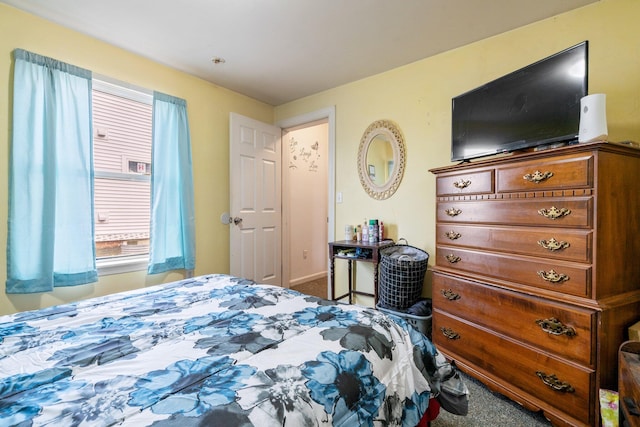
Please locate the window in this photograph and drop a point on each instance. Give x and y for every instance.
(53, 178)
(122, 140)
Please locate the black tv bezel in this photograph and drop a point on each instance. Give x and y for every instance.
(507, 147)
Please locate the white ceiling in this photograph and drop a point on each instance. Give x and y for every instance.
(280, 50)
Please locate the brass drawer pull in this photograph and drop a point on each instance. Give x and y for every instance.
(453, 235)
(554, 213)
(553, 326)
(450, 333)
(553, 245)
(553, 382)
(463, 183)
(453, 258)
(450, 295)
(552, 276)
(537, 177)
(453, 211)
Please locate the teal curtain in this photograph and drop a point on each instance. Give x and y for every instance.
(50, 227)
(172, 209)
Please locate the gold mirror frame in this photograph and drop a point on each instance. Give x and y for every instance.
(388, 130)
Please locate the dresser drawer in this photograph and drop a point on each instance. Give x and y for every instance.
(561, 329)
(572, 171)
(551, 212)
(558, 243)
(565, 277)
(472, 182)
(519, 366)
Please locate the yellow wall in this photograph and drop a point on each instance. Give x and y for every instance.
(418, 98)
(208, 107)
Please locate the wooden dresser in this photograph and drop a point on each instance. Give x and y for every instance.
(537, 273)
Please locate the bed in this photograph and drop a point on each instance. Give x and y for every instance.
(214, 350)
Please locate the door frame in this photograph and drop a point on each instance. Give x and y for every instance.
(328, 114)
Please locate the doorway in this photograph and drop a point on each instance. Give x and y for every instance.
(308, 214)
(304, 179)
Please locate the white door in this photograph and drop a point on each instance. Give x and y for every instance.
(255, 200)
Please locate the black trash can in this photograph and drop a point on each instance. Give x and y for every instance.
(402, 270)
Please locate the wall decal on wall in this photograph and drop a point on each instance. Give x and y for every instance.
(304, 155)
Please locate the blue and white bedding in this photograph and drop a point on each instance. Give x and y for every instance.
(213, 350)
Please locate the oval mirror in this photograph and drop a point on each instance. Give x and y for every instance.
(381, 159)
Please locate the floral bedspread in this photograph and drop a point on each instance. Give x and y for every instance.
(214, 351)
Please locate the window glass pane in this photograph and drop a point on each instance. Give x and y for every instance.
(122, 161)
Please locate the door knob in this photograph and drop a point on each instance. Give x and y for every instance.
(225, 218)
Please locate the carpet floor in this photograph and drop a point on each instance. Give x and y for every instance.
(489, 409)
(316, 288)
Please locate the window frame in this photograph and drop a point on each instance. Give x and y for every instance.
(126, 263)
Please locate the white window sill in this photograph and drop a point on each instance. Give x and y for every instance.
(120, 265)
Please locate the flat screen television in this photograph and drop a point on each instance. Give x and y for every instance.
(536, 105)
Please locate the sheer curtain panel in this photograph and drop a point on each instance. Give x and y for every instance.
(172, 210)
(50, 227)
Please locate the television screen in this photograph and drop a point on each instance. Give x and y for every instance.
(536, 105)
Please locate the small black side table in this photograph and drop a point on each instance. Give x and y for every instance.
(371, 253)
